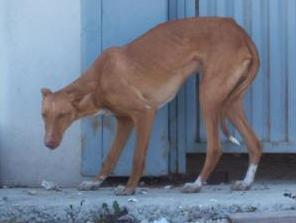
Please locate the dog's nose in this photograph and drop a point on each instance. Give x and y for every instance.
(51, 144)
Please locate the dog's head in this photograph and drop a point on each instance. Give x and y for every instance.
(58, 113)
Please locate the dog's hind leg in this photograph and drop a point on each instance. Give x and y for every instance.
(211, 113)
(236, 115)
(215, 89)
(124, 128)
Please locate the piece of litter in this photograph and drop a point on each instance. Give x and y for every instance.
(143, 191)
(132, 200)
(31, 192)
(168, 187)
(49, 185)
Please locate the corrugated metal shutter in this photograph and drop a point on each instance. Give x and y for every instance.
(270, 102)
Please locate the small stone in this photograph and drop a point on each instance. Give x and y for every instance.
(168, 187)
(290, 195)
(161, 220)
(118, 189)
(4, 198)
(32, 192)
(213, 200)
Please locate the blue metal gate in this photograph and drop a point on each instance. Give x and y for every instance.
(108, 23)
(270, 103)
(178, 130)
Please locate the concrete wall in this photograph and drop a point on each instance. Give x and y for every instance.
(39, 46)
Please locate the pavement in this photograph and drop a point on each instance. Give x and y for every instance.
(215, 203)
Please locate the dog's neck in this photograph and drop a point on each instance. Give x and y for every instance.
(84, 93)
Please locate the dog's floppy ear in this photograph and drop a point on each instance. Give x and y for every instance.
(45, 92)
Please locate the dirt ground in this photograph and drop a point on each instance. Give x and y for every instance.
(215, 203)
(159, 200)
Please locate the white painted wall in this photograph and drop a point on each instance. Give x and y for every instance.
(39, 46)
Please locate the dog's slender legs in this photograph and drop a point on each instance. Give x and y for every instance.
(211, 118)
(236, 115)
(143, 124)
(213, 146)
(211, 112)
(212, 98)
(124, 128)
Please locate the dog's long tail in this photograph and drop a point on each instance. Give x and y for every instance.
(242, 86)
(227, 133)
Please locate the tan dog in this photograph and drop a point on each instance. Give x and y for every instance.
(134, 80)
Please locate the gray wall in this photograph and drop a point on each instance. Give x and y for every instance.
(39, 46)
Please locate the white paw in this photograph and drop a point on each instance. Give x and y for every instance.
(191, 188)
(240, 185)
(90, 185)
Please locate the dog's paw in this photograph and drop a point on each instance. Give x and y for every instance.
(191, 188)
(123, 191)
(240, 185)
(90, 185)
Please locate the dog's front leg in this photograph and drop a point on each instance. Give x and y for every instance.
(143, 124)
(124, 128)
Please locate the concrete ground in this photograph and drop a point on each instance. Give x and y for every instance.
(213, 204)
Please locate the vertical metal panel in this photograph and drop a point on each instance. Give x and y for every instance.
(109, 23)
(185, 8)
(119, 27)
(172, 122)
(91, 129)
(179, 108)
(259, 32)
(270, 102)
(291, 57)
(277, 74)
